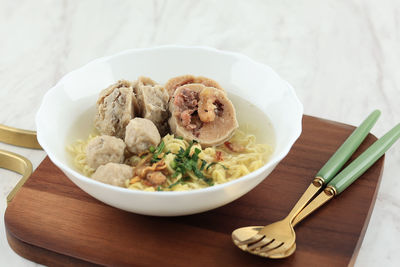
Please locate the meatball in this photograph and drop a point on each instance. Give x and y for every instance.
(113, 174)
(104, 149)
(152, 99)
(202, 113)
(173, 83)
(116, 106)
(140, 135)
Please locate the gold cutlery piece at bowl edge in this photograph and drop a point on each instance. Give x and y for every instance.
(18, 137)
(277, 240)
(12, 161)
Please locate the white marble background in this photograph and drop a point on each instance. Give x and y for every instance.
(342, 57)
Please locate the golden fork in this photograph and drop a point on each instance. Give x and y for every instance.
(278, 239)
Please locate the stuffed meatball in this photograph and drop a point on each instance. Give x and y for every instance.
(202, 113)
(173, 83)
(153, 102)
(116, 106)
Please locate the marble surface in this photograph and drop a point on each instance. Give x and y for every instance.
(342, 57)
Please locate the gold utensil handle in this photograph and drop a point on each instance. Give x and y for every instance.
(317, 202)
(18, 137)
(307, 196)
(16, 163)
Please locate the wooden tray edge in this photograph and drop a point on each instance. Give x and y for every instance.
(51, 258)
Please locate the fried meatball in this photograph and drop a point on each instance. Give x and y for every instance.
(113, 174)
(116, 106)
(104, 149)
(140, 135)
(153, 102)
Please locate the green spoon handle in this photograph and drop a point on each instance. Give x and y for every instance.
(365, 160)
(336, 162)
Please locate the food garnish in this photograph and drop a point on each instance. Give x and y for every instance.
(157, 152)
(218, 156)
(141, 122)
(214, 163)
(184, 163)
(235, 147)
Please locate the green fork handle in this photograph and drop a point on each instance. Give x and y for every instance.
(351, 173)
(364, 161)
(335, 163)
(342, 155)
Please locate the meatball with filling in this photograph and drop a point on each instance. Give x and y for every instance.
(173, 83)
(104, 149)
(140, 135)
(153, 102)
(113, 174)
(201, 113)
(116, 106)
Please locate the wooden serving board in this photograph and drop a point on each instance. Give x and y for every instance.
(53, 222)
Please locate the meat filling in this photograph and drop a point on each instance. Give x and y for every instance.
(196, 109)
(219, 109)
(187, 102)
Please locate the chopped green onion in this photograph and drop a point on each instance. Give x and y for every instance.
(214, 163)
(223, 166)
(209, 181)
(152, 149)
(177, 182)
(157, 152)
(187, 151)
(211, 164)
(203, 164)
(198, 173)
(195, 155)
(160, 147)
(184, 163)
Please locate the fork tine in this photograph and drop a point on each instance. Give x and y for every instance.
(253, 239)
(271, 248)
(263, 242)
(280, 250)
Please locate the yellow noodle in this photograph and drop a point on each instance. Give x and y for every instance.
(78, 150)
(236, 164)
(174, 144)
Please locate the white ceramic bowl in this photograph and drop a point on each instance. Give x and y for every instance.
(68, 108)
